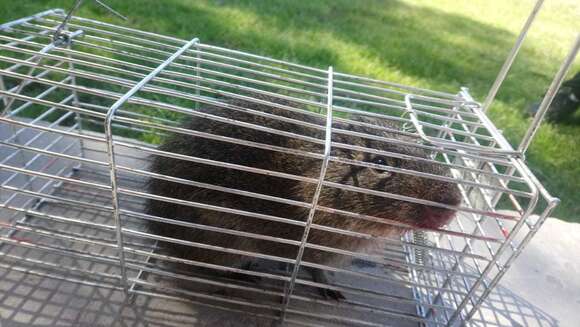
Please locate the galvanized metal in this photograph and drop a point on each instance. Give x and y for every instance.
(111, 149)
(550, 95)
(319, 184)
(512, 56)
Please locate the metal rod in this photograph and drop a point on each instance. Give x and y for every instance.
(22, 84)
(111, 152)
(503, 151)
(114, 12)
(487, 270)
(323, 168)
(550, 95)
(468, 246)
(198, 74)
(267, 59)
(511, 56)
(551, 205)
(58, 33)
(75, 102)
(492, 130)
(21, 21)
(212, 72)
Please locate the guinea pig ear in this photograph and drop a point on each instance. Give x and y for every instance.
(358, 156)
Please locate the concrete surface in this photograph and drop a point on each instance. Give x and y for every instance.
(547, 274)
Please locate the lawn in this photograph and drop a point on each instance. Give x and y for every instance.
(441, 45)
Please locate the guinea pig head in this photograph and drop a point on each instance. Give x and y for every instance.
(418, 190)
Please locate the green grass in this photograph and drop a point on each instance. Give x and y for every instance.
(441, 45)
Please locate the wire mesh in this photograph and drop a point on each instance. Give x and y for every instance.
(83, 122)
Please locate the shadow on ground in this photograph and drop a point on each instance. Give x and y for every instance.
(504, 308)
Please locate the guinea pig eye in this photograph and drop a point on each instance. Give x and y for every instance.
(379, 161)
(392, 162)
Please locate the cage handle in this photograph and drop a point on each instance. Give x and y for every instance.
(501, 75)
(550, 95)
(554, 86)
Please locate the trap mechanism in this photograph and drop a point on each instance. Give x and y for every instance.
(85, 105)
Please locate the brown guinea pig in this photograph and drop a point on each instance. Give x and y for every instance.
(261, 235)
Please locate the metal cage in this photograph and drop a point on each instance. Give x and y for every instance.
(83, 116)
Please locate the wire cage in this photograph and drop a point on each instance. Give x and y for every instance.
(84, 116)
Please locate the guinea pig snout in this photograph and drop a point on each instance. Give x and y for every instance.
(435, 217)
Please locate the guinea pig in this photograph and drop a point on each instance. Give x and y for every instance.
(252, 220)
